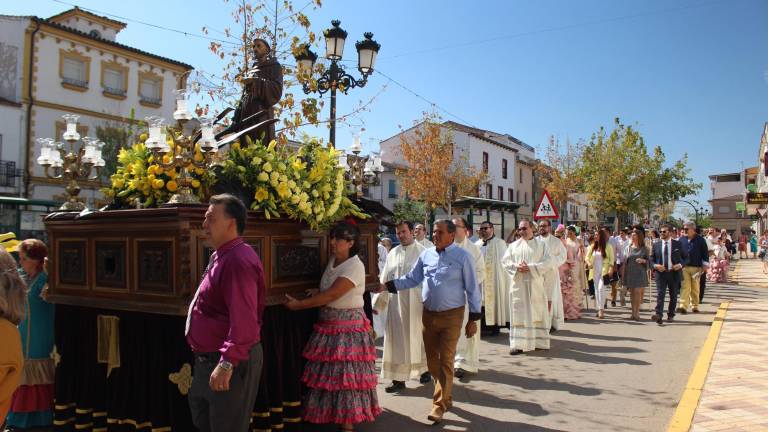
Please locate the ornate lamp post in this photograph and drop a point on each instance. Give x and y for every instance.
(73, 165)
(360, 170)
(335, 77)
(182, 153)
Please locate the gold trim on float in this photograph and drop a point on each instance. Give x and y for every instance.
(292, 404)
(84, 426)
(83, 411)
(292, 419)
(67, 406)
(260, 414)
(63, 422)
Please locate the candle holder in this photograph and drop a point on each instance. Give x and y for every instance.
(360, 171)
(181, 154)
(73, 165)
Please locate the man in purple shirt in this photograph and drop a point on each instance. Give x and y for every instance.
(224, 324)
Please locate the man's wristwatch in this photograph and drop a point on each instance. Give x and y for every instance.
(227, 366)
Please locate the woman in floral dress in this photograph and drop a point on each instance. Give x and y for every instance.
(340, 372)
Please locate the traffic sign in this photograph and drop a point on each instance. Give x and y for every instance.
(545, 209)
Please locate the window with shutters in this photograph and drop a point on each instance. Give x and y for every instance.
(392, 188)
(503, 168)
(485, 162)
(500, 195)
(489, 191)
(74, 70)
(511, 194)
(150, 89)
(114, 79)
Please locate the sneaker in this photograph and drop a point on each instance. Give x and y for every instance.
(395, 387)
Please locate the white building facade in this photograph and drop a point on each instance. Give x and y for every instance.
(507, 161)
(72, 63)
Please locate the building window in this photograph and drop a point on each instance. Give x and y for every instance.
(485, 162)
(723, 209)
(504, 168)
(489, 191)
(150, 89)
(511, 194)
(393, 189)
(518, 196)
(500, 195)
(114, 79)
(74, 70)
(521, 176)
(525, 200)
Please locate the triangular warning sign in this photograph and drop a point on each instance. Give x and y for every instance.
(545, 209)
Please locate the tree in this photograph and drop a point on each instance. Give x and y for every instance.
(620, 175)
(435, 173)
(560, 173)
(409, 210)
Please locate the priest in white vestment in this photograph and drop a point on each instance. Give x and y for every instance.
(421, 236)
(404, 356)
(496, 283)
(468, 349)
(526, 263)
(558, 255)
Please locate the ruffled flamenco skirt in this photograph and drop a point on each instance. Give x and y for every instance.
(341, 372)
(32, 404)
(571, 298)
(717, 272)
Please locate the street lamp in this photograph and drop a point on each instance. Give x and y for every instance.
(335, 77)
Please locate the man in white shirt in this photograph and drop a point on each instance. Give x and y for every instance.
(421, 236)
(619, 244)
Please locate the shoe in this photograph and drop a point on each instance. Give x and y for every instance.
(459, 373)
(655, 317)
(515, 352)
(436, 416)
(552, 330)
(670, 318)
(613, 303)
(695, 310)
(659, 321)
(425, 378)
(395, 387)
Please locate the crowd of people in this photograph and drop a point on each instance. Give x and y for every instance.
(435, 299)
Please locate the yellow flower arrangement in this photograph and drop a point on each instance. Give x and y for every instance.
(138, 176)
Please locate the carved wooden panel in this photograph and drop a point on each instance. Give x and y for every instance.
(296, 259)
(155, 266)
(111, 264)
(72, 262)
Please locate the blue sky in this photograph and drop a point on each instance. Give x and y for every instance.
(693, 75)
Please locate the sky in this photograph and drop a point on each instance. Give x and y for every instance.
(692, 76)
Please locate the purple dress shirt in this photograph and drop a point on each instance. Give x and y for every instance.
(227, 310)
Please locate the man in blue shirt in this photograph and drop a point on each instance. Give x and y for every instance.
(446, 275)
(694, 265)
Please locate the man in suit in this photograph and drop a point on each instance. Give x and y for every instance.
(667, 257)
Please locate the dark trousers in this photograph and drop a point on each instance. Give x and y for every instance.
(666, 281)
(702, 285)
(225, 411)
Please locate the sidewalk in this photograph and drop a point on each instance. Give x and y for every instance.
(735, 392)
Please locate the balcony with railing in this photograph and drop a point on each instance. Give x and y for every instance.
(10, 176)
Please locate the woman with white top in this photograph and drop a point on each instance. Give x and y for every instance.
(340, 372)
(600, 259)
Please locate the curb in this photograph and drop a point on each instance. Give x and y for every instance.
(686, 408)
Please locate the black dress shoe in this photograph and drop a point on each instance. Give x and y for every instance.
(659, 321)
(459, 373)
(425, 378)
(613, 303)
(552, 330)
(395, 387)
(515, 352)
(670, 318)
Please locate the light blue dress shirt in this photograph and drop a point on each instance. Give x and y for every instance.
(447, 279)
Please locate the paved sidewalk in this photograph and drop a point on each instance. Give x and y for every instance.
(735, 394)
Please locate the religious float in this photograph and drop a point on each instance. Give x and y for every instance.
(122, 278)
